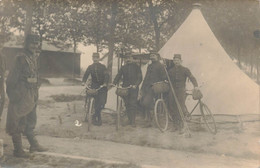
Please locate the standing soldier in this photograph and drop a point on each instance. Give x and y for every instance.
(22, 90)
(178, 76)
(99, 77)
(155, 73)
(131, 75)
(2, 75)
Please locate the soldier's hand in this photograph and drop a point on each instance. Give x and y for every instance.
(104, 85)
(134, 86)
(83, 83)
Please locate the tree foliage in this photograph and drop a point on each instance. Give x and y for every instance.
(134, 25)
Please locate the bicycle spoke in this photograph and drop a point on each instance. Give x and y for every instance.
(208, 118)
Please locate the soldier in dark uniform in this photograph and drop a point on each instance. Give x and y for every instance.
(99, 76)
(178, 76)
(22, 90)
(2, 75)
(155, 73)
(131, 75)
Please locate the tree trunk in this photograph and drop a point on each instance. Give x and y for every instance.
(29, 14)
(155, 24)
(73, 59)
(111, 42)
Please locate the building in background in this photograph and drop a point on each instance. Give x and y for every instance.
(54, 62)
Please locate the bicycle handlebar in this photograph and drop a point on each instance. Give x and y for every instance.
(100, 87)
(165, 81)
(128, 87)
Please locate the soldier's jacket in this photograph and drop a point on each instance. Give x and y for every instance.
(22, 90)
(99, 75)
(155, 73)
(178, 76)
(22, 81)
(131, 75)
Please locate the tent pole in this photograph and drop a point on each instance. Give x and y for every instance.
(186, 128)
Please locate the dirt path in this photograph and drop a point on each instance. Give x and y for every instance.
(145, 156)
(234, 146)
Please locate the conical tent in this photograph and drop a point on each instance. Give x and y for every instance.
(226, 89)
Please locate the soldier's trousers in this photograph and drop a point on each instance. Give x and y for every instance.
(173, 109)
(131, 104)
(100, 101)
(148, 99)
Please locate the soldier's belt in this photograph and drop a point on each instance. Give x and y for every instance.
(32, 80)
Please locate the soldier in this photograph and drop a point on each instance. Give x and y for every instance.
(155, 73)
(99, 76)
(22, 90)
(2, 75)
(131, 75)
(178, 76)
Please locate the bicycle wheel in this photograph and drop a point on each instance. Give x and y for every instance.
(90, 112)
(208, 118)
(161, 115)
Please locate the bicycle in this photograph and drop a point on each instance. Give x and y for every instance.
(121, 92)
(205, 114)
(161, 114)
(89, 105)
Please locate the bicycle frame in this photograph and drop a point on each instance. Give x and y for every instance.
(199, 102)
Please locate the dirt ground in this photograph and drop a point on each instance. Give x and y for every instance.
(57, 124)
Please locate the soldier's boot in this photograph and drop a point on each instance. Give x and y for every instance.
(18, 149)
(133, 114)
(99, 121)
(94, 119)
(34, 145)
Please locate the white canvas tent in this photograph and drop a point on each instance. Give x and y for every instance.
(226, 89)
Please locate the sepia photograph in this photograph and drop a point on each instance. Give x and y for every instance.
(129, 83)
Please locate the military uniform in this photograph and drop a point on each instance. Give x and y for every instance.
(99, 76)
(178, 76)
(22, 90)
(130, 74)
(2, 80)
(155, 73)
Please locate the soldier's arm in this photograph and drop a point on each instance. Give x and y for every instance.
(191, 77)
(139, 76)
(86, 74)
(14, 74)
(144, 85)
(118, 76)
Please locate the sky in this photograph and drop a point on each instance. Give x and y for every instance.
(86, 55)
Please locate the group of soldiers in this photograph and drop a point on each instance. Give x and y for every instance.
(130, 76)
(22, 87)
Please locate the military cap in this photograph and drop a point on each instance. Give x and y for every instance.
(96, 55)
(177, 56)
